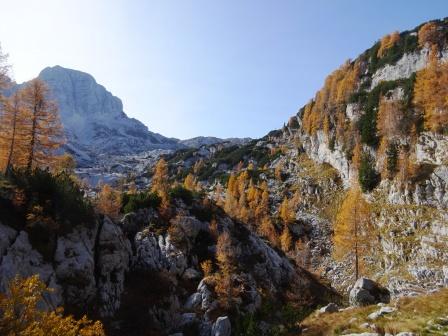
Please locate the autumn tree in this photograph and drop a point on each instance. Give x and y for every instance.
(14, 137)
(286, 211)
(231, 201)
(353, 230)
(387, 42)
(226, 259)
(431, 93)
(207, 267)
(428, 34)
(45, 132)
(357, 155)
(4, 69)
(65, 163)
(286, 239)
(20, 313)
(390, 117)
(109, 201)
(160, 181)
(267, 229)
(190, 182)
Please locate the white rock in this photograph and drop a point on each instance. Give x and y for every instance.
(21, 259)
(222, 327)
(113, 262)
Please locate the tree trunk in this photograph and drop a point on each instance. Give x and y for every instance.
(33, 141)
(11, 147)
(356, 261)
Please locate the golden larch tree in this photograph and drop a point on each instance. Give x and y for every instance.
(286, 239)
(428, 34)
(21, 314)
(45, 133)
(14, 132)
(160, 181)
(431, 93)
(388, 42)
(109, 201)
(4, 69)
(190, 182)
(390, 118)
(226, 259)
(286, 211)
(353, 230)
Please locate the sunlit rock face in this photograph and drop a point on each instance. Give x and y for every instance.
(94, 120)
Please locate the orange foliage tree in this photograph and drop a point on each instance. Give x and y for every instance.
(388, 42)
(431, 93)
(353, 230)
(13, 133)
(428, 34)
(160, 181)
(45, 129)
(109, 201)
(21, 315)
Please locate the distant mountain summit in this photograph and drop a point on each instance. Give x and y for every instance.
(96, 124)
(94, 120)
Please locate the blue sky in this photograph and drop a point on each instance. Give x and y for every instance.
(202, 67)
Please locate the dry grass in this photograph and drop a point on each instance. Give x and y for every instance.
(413, 314)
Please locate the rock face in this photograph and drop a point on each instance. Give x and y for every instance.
(366, 292)
(222, 327)
(94, 120)
(88, 265)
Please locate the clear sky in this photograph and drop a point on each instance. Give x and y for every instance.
(203, 67)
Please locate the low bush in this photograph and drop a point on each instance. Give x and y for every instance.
(182, 193)
(142, 200)
(45, 205)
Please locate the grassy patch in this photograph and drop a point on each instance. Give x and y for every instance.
(415, 314)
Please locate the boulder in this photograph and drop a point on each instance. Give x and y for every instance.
(383, 311)
(222, 327)
(193, 301)
(191, 274)
(329, 308)
(366, 292)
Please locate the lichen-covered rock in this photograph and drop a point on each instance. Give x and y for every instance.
(366, 292)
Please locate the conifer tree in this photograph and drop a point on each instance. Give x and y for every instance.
(226, 259)
(353, 231)
(286, 239)
(431, 93)
(109, 201)
(4, 69)
(388, 42)
(286, 211)
(160, 181)
(190, 182)
(13, 132)
(45, 129)
(428, 34)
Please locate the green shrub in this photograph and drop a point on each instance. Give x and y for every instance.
(181, 193)
(391, 159)
(368, 177)
(45, 206)
(142, 200)
(58, 195)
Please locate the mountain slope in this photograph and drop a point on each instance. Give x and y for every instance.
(94, 120)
